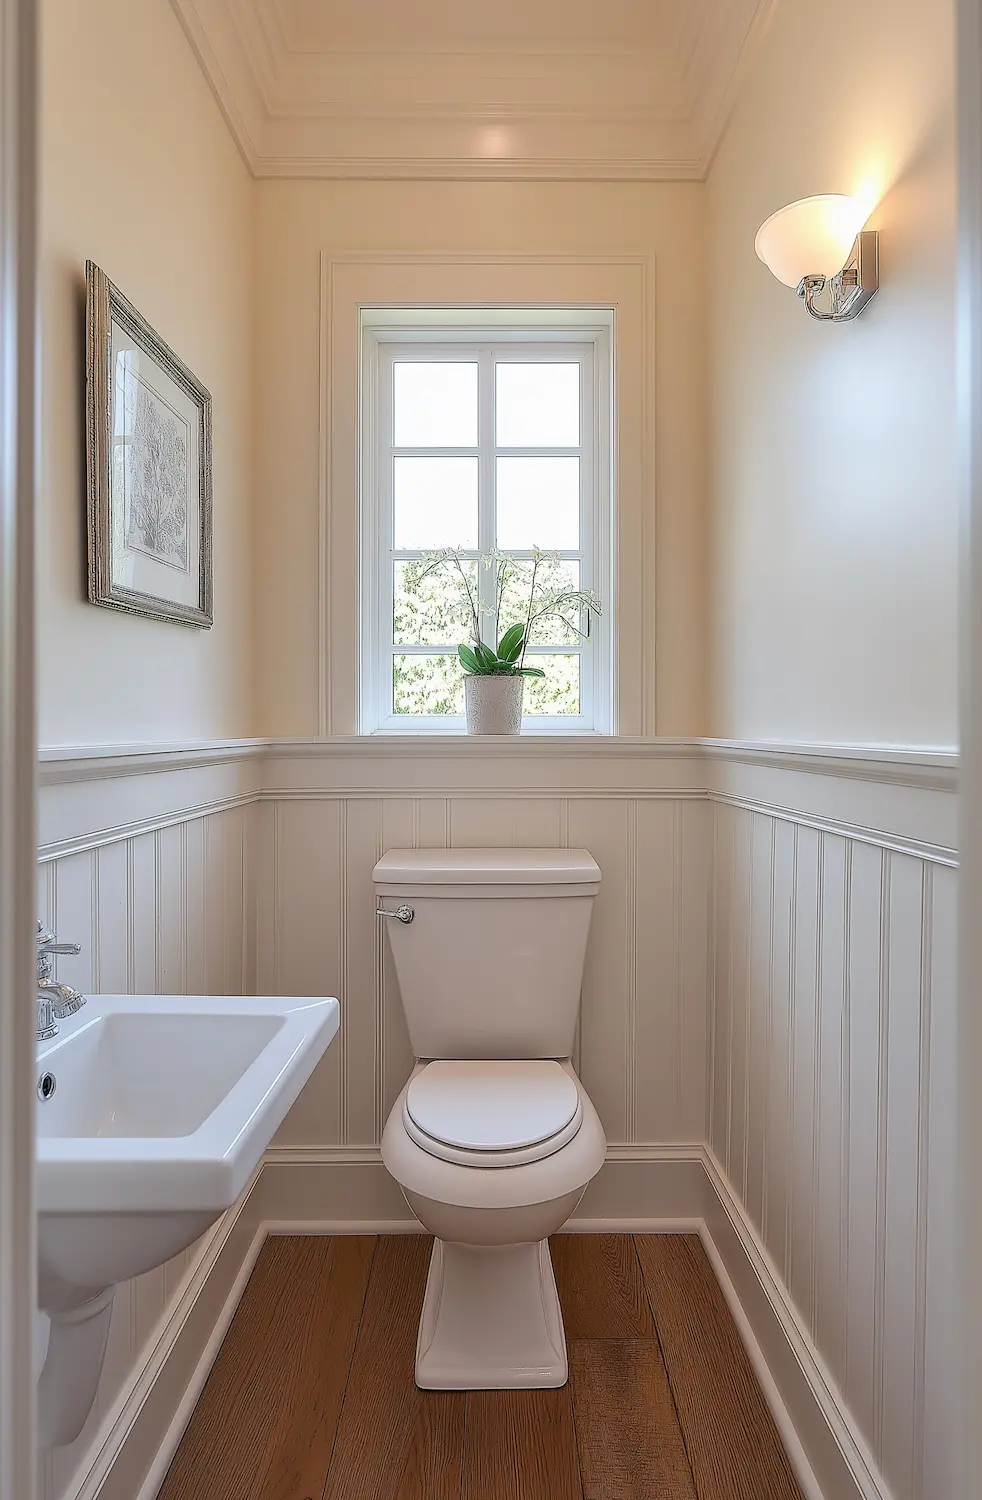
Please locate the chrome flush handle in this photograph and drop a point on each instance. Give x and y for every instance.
(402, 913)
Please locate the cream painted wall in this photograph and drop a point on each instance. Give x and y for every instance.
(835, 528)
(296, 221)
(140, 173)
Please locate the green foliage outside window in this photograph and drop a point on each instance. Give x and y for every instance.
(502, 605)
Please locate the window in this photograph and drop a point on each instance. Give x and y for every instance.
(479, 452)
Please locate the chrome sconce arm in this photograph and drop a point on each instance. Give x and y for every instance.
(849, 291)
(819, 247)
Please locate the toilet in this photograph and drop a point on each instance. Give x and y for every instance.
(493, 1140)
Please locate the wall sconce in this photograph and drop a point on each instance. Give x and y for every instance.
(819, 246)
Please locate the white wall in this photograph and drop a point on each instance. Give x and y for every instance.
(296, 222)
(834, 493)
(140, 174)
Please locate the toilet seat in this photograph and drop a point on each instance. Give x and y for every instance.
(420, 1172)
(492, 1113)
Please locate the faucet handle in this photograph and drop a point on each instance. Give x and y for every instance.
(47, 950)
(48, 943)
(46, 1026)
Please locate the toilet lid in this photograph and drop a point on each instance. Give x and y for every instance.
(513, 1111)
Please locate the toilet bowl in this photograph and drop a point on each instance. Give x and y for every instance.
(524, 1142)
(493, 1139)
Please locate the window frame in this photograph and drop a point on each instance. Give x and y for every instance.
(384, 340)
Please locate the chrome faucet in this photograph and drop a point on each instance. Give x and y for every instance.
(54, 1001)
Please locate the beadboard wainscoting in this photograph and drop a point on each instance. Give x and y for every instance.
(145, 861)
(767, 1031)
(831, 1105)
(327, 816)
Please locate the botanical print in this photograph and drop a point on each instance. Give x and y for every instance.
(148, 451)
(153, 449)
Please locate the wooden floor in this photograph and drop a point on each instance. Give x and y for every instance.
(312, 1394)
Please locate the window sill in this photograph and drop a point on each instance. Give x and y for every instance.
(392, 749)
(462, 734)
(423, 742)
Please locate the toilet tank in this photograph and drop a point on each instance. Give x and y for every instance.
(491, 964)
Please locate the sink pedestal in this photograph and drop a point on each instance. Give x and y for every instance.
(72, 1367)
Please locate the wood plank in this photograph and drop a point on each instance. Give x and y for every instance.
(601, 1288)
(520, 1445)
(395, 1442)
(310, 1411)
(266, 1420)
(730, 1436)
(627, 1429)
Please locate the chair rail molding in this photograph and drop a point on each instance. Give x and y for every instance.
(91, 795)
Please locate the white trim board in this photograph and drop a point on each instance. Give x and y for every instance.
(930, 767)
(155, 1403)
(356, 280)
(903, 810)
(100, 838)
(91, 796)
(810, 1411)
(653, 1189)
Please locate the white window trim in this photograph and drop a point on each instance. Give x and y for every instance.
(538, 331)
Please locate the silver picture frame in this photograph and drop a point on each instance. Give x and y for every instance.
(149, 467)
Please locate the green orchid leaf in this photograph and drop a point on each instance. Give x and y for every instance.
(470, 662)
(487, 658)
(530, 671)
(510, 645)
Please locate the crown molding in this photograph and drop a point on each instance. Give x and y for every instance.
(463, 111)
(460, 169)
(217, 44)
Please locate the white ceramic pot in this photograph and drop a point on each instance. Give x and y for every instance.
(493, 704)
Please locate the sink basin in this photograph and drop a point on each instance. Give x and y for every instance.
(161, 1109)
(120, 1071)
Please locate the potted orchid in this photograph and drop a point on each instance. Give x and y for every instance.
(536, 590)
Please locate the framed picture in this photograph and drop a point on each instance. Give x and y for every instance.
(148, 438)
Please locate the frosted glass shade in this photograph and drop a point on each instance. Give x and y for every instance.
(812, 237)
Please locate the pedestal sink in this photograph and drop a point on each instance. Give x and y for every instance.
(153, 1113)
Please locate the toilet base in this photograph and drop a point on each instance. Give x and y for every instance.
(491, 1320)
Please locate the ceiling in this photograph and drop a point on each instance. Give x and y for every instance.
(580, 89)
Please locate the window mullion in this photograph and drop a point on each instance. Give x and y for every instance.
(486, 485)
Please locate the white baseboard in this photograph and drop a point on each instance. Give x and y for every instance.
(184, 1397)
(133, 1446)
(831, 1457)
(655, 1189)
